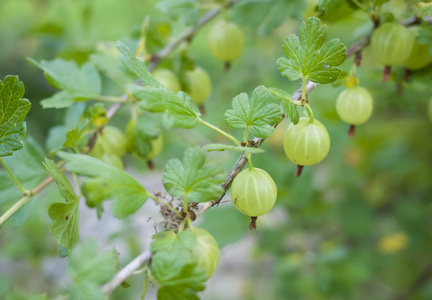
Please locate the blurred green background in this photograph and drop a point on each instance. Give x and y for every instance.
(356, 226)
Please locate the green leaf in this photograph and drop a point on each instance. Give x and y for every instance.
(86, 290)
(256, 114)
(137, 66)
(266, 15)
(77, 83)
(223, 147)
(310, 58)
(329, 5)
(174, 266)
(140, 133)
(13, 110)
(86, 265)
(287, 106)
(191, 178)
(184, 10)
(181, 110)
(426, 9)
(111, 183)
(65, 228)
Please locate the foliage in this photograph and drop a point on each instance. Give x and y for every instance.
(104, 126)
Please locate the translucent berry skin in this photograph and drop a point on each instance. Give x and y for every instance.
(253, 192)
(168, 79)
(200, 85)
(354, 105)
(306, 143)
(419, 57)
(391, 44)
(206, 251)
(112, 141)
(226, 41)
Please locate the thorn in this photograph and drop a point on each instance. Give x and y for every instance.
(252, 224)
(351, 131)
(299, 170)
(386, 74)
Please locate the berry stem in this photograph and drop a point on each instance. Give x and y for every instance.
(310, 112)
(351, 131)
(19, 185)
(225, 134)
(386, 73)
(299, 170)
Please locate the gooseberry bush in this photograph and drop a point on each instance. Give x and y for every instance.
(161, 88)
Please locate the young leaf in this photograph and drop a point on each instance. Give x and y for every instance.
(77, 83)
(184, 10)
(85, 265)
(181, 110)
(137, 66)
(65, 215)
(110, 182)
(13, 110)
(223, 147)
(309, 58)
(191, 178)
(256, 114)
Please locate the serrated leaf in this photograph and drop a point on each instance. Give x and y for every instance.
(184, 10)
(137, 66)
(180, 108)
(309, 58)
(77, 83)
(425, 9)
(257, 114)
(128, 194)
(223, 147)
(290, 111)
(13, 110)
(174, 266)
(65, 215)
(266, 14)
(191, 179)
(86, 265)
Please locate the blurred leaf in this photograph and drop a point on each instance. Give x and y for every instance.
(140, 133)
(137, 66)
(223, 147)
(425, 8)
(86, 290)
(311, 59)
(65, 215)
(191, 179)
(86, 265)
(21, 295)
(78, 83)
(13, 110)
(181, 110)
(256, 114)
(329, 5)
(266, 14)
(128, 194)
(27, 165)
(184, 10)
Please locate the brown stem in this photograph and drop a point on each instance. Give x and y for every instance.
(351, 131)
(299, 170)
(386, 73)
(252, 224)
(227, 66)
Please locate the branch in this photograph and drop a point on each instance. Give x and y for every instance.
(187, 35)
(124, 273)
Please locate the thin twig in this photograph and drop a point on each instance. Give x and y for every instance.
(126, 271)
